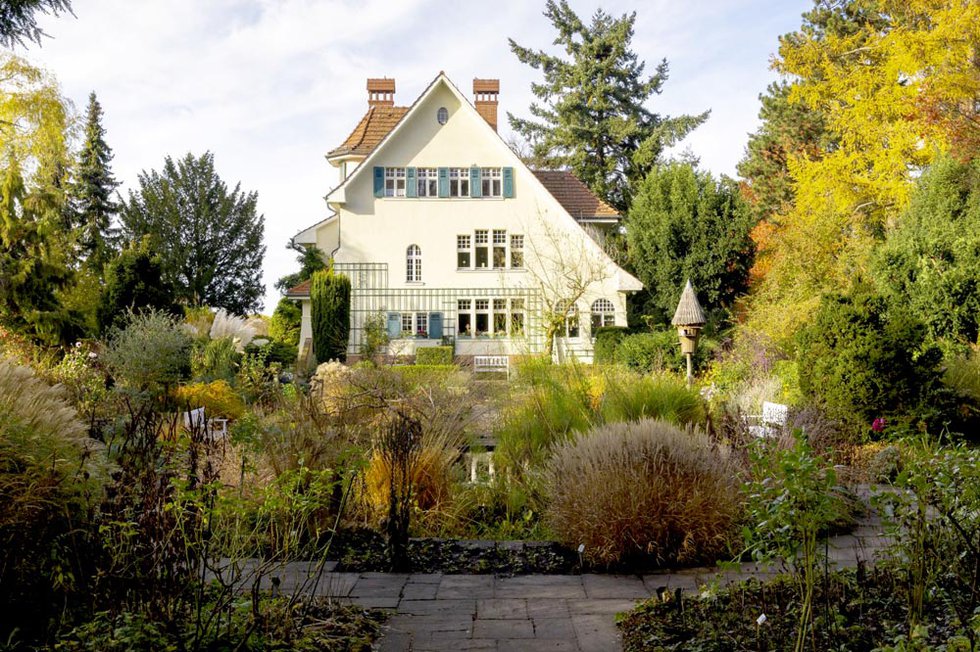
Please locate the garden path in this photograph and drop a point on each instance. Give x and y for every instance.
(536, 612)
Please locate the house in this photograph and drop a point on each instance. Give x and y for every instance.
(448, 237)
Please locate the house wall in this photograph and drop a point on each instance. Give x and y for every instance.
(380, 230)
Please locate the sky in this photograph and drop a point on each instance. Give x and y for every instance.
(269, 86)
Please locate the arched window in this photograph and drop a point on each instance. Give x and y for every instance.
(603, 314)
(413, 264)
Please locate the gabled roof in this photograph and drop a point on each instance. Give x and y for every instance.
(371, 130)
(301, 290)
(574, 196)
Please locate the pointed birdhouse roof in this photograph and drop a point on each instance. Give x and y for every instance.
(689, 311)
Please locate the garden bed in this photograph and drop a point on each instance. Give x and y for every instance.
(857, 609)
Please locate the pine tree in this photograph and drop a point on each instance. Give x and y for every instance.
(209, 238)
(593, 117)
(91, 193)
(19, 23)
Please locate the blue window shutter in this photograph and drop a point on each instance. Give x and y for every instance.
(394, 325)
(379, 181)
(435, 325)
(475, 187)
(443, 182)
(411, 183)
(508, 182)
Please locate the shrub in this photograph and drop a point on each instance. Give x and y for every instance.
(273, 351)
(643, 490)
(217, 398)
(151, 353)
(434, 355)
(417, 375)
(133, 283)
(647, 352)
(861, 361)
(375, 335)
(607, 341)
(286, 320)
(330, 306)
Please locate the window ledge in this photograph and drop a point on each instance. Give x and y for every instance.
(415, 283)
(492, 269)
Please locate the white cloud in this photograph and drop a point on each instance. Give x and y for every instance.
(271, 85)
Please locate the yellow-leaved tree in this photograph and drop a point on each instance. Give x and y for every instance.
(892, 83)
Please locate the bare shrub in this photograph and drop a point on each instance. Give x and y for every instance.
(645, 489)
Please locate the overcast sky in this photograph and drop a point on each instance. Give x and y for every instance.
(270, 86)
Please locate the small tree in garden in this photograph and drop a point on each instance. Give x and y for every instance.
(400, 446)
(133, 284)
(330, 306)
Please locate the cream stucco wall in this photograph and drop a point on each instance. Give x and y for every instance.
(379, 230)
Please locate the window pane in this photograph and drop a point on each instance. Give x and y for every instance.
(517, 259)
(463, 322)
(463, 259)
(517, 323)
(499, 257)
(499, 322)
(482, 323)
(406, 323)
(421, 323)
(482, 256)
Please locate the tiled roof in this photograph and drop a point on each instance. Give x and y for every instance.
(574, 195)
(372, 128)
(301, 290)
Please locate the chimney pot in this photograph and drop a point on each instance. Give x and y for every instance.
(381, 91)
(485, 93)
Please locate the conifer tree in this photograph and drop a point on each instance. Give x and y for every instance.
(209, 238)
(592, 117)
(330, 315)
(91, 193)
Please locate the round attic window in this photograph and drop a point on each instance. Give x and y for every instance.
(442, 115)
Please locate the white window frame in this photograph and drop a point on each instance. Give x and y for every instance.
(394, 182)
(491, 183)
(459, 182)
(516, 249)
(427, 182)
(413, 264)
(603, 314)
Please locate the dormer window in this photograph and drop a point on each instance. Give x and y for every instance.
(394, 182)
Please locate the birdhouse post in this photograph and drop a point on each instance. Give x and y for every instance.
(688, 319)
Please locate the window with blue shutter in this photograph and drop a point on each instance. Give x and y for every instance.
(411, 183)
(508, 182)
(394, 325)
(435, 325)
(379, 181)
(443, 182)
(475, 182)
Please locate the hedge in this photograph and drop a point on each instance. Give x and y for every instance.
(434, 355)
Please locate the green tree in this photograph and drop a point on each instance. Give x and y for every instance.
(686, 225)
(33, 266)
(310, 260)
(18, 22)
(592, 117)
(133, 284)
(209, 239)
(861, 359)
(330, 314)
(286, 321)
(91, 193)
(930, 262)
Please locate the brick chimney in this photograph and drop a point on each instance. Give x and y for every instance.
(381, 92)
(485, 92)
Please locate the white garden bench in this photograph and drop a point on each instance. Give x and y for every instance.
(491, 363)
(771, 422)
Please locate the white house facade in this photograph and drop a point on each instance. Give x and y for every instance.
(449, 238)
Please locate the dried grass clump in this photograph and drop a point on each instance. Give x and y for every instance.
(642, 491)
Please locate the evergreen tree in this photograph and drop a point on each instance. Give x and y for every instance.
(18, 22)
(209, 239)
(310, 260)
(593, 117)
(91, 193)
(133, 284)
(330, 315)
(685, 225)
